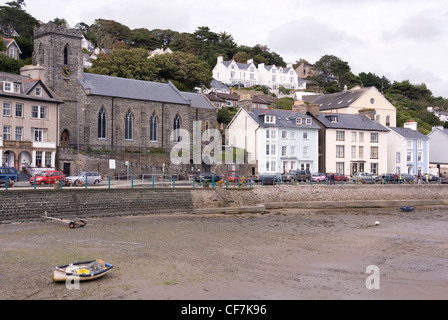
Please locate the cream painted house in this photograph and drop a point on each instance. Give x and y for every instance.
(29, 122)
(354, 100)
(351, 143)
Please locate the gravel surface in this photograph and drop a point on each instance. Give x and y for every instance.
(283, 254)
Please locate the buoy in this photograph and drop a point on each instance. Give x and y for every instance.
(377, 223)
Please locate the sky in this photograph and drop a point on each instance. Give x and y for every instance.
(400, 39)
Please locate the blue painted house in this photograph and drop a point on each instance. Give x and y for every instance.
(408, 150)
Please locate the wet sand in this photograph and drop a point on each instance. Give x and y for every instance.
(283, 254)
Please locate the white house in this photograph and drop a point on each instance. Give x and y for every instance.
(275, 77)
(351, 143)
(277, 141)
(236, 74)
(408, 150)
(438, 150)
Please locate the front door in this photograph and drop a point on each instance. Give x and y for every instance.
(66, 169)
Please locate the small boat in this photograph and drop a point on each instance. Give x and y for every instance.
(86, 270)
(407, 209)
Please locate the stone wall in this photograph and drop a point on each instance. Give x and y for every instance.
(30, 204)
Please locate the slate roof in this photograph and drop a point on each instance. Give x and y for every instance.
(28, 84)
(132, 89)
(284, 119)
(337, 100)
(198, 100)
(218, 84)
(350, 121)
(410, 134)
(240, 65)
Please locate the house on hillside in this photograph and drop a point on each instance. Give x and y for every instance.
(276, 141)
(350, 143)
(12, 48)
(408, 150)
(275, 77)
(355, 100)
(233, 73)
(438, 150)
(29, 122)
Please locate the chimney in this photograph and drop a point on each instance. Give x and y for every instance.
(410, 124)
(245, 102)
(250, 61)
(220, 59)
(301, 107)
(369, 113)
(34, 72)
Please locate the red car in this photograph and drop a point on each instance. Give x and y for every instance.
(337, 177)
(48, 177)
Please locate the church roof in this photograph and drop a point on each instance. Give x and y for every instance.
(132, 89)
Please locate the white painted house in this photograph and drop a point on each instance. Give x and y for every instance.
(438, 150)
(275, 77)
(277, 141)
(408, 150)
(236, 74)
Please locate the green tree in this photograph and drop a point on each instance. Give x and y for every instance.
(126, 63)
(107, 34)
(183, 68)
(10, 65)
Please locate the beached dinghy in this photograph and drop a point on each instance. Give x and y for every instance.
(407, 209)
(86, 270)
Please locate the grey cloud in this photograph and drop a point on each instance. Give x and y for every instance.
(418, 29)
(309, 37)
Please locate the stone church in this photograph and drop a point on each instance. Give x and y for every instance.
(116, 117)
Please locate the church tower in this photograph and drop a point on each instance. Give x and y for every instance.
(58, 50)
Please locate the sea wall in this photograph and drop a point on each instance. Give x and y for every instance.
(29, 204)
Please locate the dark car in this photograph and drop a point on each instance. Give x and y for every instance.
(10, 174)
(208, 176)
(270, 179)
(389, 178)
(407, 178)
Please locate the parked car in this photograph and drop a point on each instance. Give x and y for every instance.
(407, 178)
(208, 176)
(319, 176)
(270, 179)
(363, 176)
(340, 177)
(389, 178)
(10, 174)
(297, 175)
(233, 177)
(48, 177)
(80, 178)
(443, 180)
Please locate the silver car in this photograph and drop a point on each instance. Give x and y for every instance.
(80, 178)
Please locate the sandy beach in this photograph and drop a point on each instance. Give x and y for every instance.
(283, 254)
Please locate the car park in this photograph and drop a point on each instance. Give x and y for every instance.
(47, 177)
(319, 176)
(81, 177)
(8, 174)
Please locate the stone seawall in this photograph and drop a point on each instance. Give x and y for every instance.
(26, 204)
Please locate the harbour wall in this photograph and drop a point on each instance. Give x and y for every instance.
(29, 204)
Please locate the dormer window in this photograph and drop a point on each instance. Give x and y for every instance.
(269, 119)
(298, 120)
(39, 91)
(308, 121)
(17, 87)
(332, 118)
(7, 86)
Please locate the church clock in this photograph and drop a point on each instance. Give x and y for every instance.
(66, 71)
